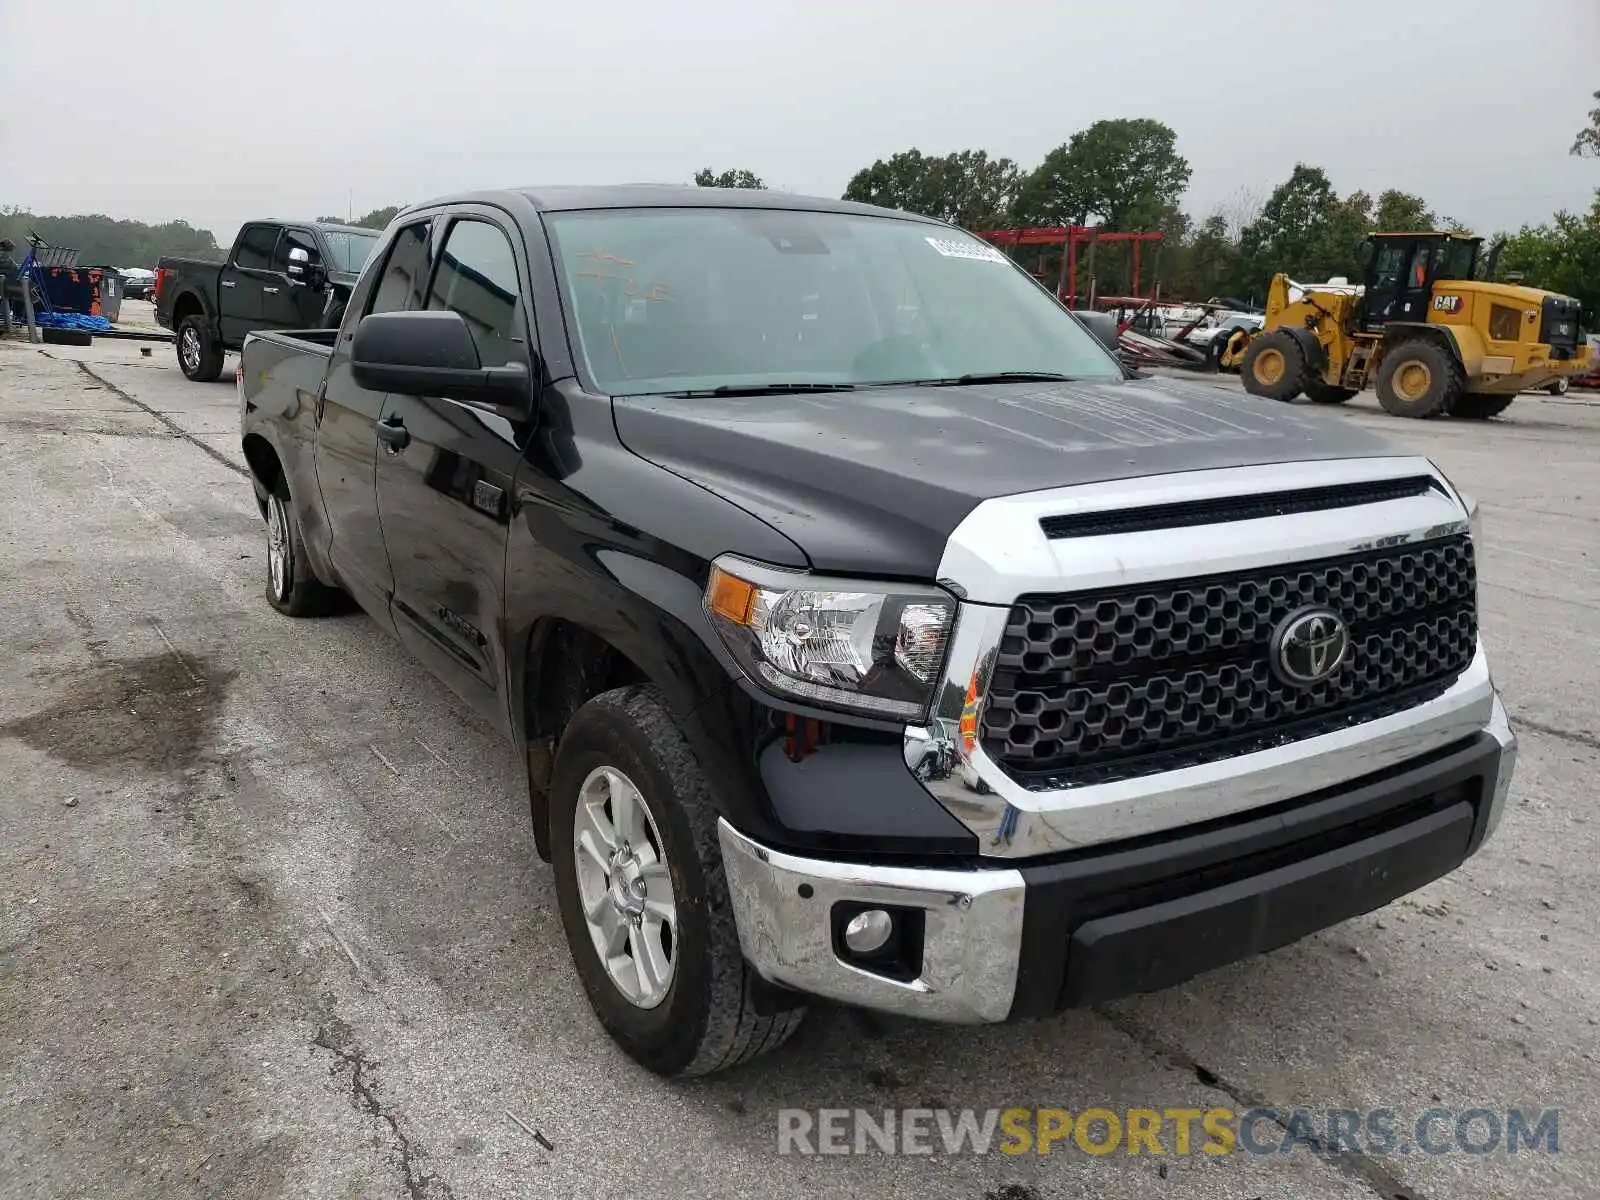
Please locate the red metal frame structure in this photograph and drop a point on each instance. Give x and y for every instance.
(1072, 236)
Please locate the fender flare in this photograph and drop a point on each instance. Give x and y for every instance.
(1461, 341)
(207, 309)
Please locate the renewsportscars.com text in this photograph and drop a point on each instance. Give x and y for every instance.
(1168, 1131)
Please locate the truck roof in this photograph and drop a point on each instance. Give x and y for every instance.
(653, 195)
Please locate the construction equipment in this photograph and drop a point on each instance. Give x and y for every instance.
(1433, 339)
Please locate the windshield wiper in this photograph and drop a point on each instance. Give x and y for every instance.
(758, 389)
(987, 377)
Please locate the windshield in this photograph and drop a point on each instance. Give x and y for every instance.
(691, 299)
(348, 251)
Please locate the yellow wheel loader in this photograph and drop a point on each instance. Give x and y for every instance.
(1434, 340)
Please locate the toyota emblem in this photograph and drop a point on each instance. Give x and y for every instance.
(1308, 646)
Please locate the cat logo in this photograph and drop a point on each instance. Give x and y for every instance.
(1447, 304)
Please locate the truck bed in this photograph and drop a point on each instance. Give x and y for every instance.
(279, 367)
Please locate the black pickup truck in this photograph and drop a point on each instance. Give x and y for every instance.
(279, 275)
(867, 633)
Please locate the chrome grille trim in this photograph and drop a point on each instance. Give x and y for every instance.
(1000, 553)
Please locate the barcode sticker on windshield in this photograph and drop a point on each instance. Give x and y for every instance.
(951, 248)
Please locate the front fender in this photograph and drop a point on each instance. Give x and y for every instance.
(1463, 341)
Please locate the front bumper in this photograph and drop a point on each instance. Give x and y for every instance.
(1000, 941)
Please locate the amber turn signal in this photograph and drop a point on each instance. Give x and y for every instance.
(729, 596)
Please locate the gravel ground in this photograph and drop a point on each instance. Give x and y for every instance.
(271, 922)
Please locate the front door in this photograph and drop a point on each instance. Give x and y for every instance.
(1399, 282)
(239, 298)
(286, 302)
(347, 437)
(445, 495)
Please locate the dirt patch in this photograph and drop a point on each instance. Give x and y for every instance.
(155, 713)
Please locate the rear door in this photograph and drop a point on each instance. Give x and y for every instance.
(239, 294)
(347, 439)
(445, 496)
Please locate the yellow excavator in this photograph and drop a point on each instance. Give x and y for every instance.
(1435, 340)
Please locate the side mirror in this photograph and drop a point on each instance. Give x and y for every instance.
(303, 268)
(1102, 325)
(433, 354)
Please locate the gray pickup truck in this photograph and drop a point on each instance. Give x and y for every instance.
(867, 633)
(278, 275)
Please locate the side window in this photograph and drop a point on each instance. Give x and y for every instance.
(477, 277)
(290, 239)
(1419, 268)
(405, 274)
(255, 247)
(1391, 261)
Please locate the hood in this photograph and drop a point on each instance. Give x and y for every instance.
(873, 482)
(344, 279)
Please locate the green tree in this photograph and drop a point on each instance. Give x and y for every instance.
(1587, 143)
(1562, 255)
(106, 241)
(1293, 233)
(378, 218)
(967, 188)
(1401, 212)
(1125, 172)
(1338, 246)
(706, 177)
(1214, 267)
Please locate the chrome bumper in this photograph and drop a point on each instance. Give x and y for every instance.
(972, 918)
(971, 940)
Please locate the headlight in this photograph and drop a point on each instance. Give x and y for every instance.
(870, 648)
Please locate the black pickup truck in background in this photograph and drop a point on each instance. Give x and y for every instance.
(866, 633)
(279, 275)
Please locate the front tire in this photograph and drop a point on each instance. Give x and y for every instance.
(199, 354)
(1274, 366)
(643, 898)
(1420, 379)
(1559, 387)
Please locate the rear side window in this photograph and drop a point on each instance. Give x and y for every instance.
(477, 277)
(255, 247)
(405, 274)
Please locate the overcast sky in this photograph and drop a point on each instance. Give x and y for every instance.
(215, 111)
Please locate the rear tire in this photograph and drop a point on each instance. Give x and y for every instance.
(1420, 379)
(1480, 408)
(1323, 393)
(199, 354)
(1559, 387)
(292, 589)
(687, 1003)
(1274, 366)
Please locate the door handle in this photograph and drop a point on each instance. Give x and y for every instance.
(227, 283)
(270, 291)
(392, 433)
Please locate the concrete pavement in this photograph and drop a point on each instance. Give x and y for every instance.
(271, 922)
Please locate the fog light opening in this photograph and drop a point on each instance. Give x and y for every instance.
(883, 939)
(868, 932)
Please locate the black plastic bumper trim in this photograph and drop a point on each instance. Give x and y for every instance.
(1154, 913)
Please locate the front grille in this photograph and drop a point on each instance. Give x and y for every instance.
(1558, 323)
(1113, 684)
